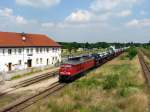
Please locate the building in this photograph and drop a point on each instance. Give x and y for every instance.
(20, 51)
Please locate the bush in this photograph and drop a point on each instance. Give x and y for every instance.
(124, 91)
(132, 52)
(92, 82)
(111, 81)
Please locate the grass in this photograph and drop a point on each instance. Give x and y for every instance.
(115, 87)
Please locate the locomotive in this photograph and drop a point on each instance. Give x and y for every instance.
(76, 66)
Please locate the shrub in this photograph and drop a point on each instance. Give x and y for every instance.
(124, 91)
(93, 82)
(111, 81)
(132, 52)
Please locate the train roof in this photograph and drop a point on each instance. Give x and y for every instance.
(77, 60)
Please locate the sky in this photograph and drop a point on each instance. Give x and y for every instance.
(79, 20)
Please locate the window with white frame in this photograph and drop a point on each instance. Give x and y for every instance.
(47, 49)
(37, 50)
(31, 50)
(3, 51)
(40, 50)
(19, 50)
(28, 51)
(41, 61)
(15, 51)
(9, 51)
(37, 61)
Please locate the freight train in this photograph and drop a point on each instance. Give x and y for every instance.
(77, 66)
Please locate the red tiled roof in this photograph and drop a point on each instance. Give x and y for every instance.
(11, 39)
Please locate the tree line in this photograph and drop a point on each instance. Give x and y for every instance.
(76, 45)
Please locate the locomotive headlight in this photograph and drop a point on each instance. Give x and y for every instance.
(68, 73)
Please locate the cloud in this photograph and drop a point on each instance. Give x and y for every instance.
(79, 16)
(20, 20)
(8, 18)
(138, 23)
(109, 5)
(6, 12)
(104, 5)
(102, 10)
(125, 13)
(38, 3)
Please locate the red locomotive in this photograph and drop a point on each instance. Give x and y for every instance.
(75, 66)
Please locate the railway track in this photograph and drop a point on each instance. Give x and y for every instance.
(30, 81)
(25, 102)
(146, 69)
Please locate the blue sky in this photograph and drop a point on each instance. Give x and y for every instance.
(79, 20)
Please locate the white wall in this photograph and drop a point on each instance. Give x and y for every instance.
(54, 55)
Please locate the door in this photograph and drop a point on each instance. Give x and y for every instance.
(47, 61)
(29, 63)
(9, 66)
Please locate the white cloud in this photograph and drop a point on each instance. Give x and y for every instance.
(102, 5)
(79, 16)
(6, 12)
(109, 5)
(7, 17)
(125, 13)
(38, 3)
(139, 23)
(20, 20)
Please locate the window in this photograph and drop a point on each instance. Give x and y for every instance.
(31, 50)
(47, 61)
(3, 51)
(41, 60)
(20, 62)
(40, 50)
(9, 51)
(37, 61)
(19, 50)
(47, 49)
(55, 58)
(53, 49)
(15, 51)
(37, 50)
(27, 51)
